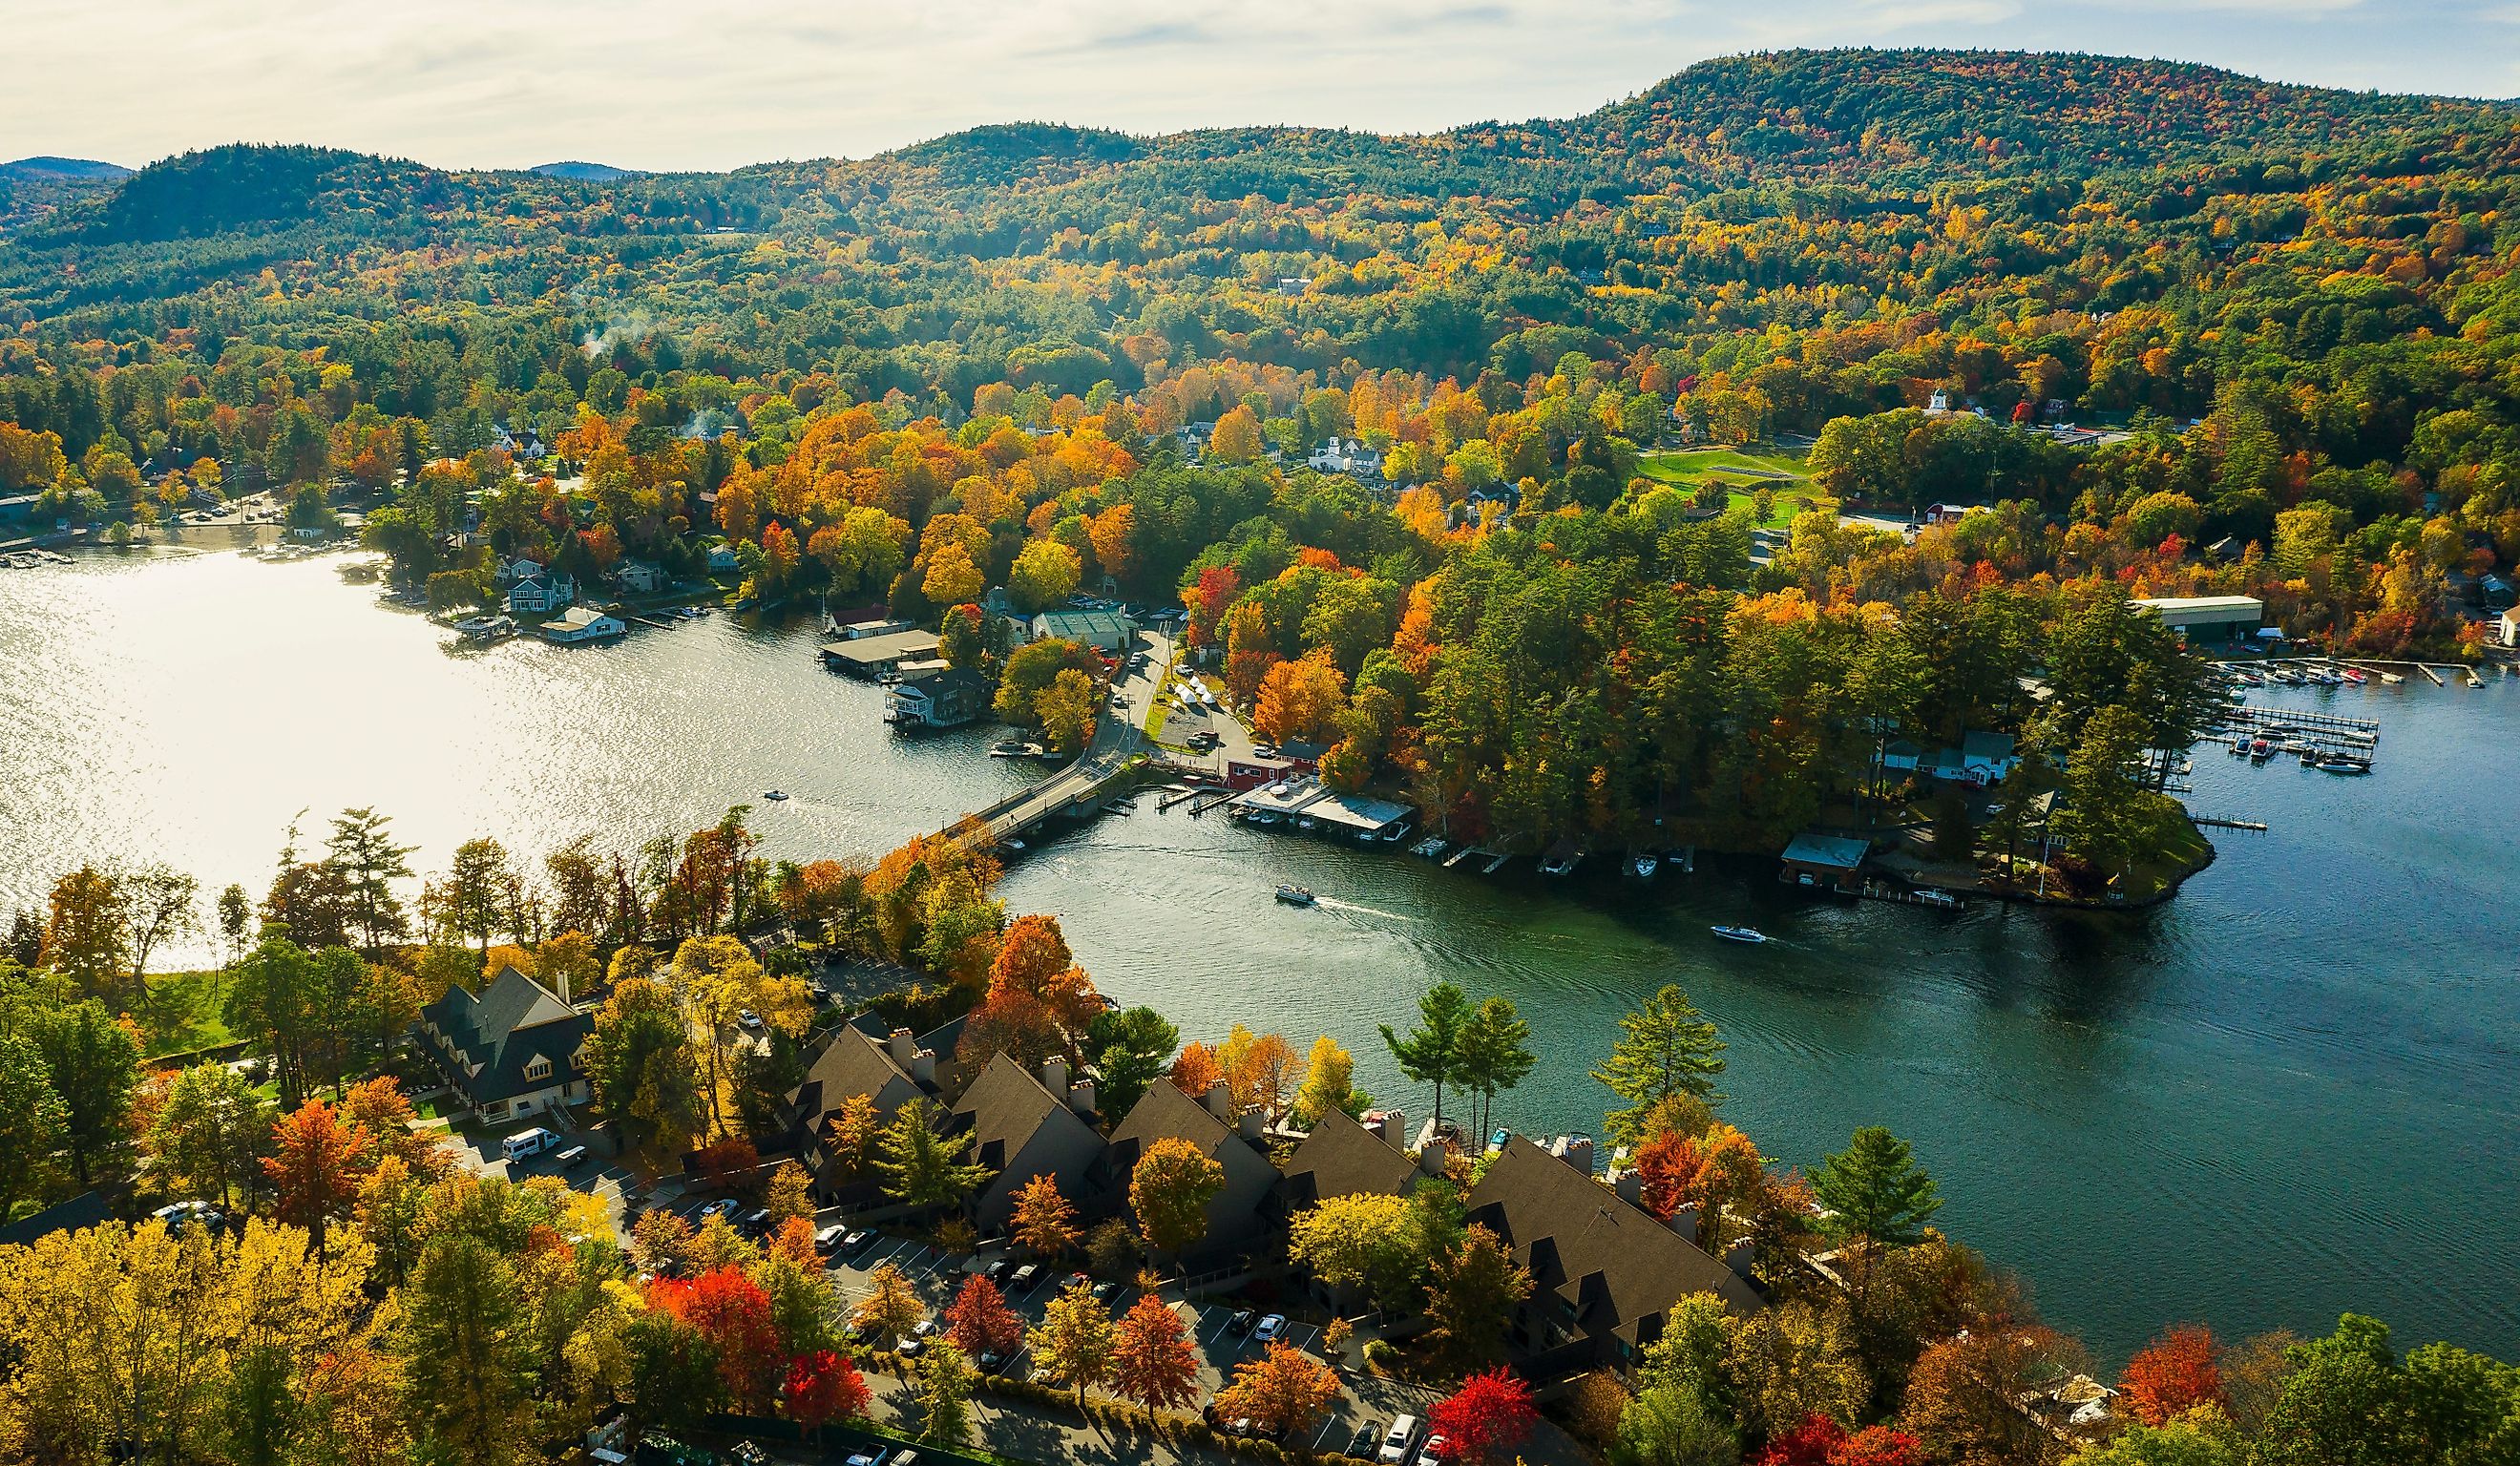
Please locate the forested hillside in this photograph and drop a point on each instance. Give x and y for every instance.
(993, 360)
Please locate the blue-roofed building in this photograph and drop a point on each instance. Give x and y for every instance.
(513, 1049)
(1824, 861)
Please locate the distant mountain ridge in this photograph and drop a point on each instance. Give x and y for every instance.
(64, 168)
(583, 172)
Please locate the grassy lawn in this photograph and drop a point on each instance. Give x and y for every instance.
(1741, 472)
(182, 1013)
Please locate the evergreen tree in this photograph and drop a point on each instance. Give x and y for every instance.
(1432, 1051)
(1666, 1047)
(922, 1166)
(1496, 1053)
(1877, 1191)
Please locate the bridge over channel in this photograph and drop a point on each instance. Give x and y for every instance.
(1078, 788)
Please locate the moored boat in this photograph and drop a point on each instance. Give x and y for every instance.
(1644, 866)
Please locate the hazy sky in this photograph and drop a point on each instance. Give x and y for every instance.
(715, 84)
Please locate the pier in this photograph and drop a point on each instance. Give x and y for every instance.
(2245, 716)
(2221, 822)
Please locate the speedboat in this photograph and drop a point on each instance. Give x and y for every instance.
(2260, 750)
(1750, 934)
(2356, 676)
(1008, 749)
(2239, 745)
(1298, 896)
(1556, 865)
(1644, 866)
(774, 795)
(2343, 765)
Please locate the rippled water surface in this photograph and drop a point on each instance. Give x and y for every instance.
(2292, 1090)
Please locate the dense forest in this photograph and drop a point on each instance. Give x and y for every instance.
(1044, 358)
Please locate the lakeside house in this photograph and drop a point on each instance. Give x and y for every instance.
(579, 623)
(1023, 1128)
(1604, 1272)
(641, 578)
(541, 594)
(1233, 1139)
(516, 1048)
(946, 698)
(1342, 1157)
(892, 1072)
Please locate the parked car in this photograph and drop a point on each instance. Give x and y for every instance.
(997, 1269)
(917, 1344)
(573, 1157)
(1240, 1323)
(724, 1206)
(872, 1456)
(749, 1018)
(1270, 1329)
(1394, 1451)
(1436, 1452)
(756, 1223)
(1107, 1291)
(1367, 1436)
(1025, 1277)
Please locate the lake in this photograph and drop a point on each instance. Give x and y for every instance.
(2288, 1092)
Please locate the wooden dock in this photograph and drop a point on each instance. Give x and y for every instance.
(2241, 716)
(2219, 822)
(1494, 865)
(1460, 854)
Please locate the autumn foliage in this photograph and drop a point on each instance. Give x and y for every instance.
(1488, 1417)
(731, 1313)
(1822, 1442)
(2173, 1375)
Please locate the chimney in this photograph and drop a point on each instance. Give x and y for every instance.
(1738, 1257)
(1631, 1186)
(1684, 1220)
(1574, 1150)
(899, 1045)
(1220, 1101)
(1252, 1123)
(1053, 1075)
(1433, 1156)
(923, 1067)
(1391, 1124)
(1080, 1096)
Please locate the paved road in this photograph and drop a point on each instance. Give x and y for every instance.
(1119, 734)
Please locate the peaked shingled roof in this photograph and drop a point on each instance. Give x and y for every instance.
(1614, 1265)
(1342, 1158)
(1005, 1107)
(498, 1032)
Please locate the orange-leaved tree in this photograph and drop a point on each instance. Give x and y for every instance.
(317, 1161)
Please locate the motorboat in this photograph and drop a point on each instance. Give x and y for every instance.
(1429, 846)
(1558, 865)
(1749, 934)
(2239, 745)
(1644, 866)
(2356, 676)
(775, 796)
(2343, 765)
(1298, 896)
(1008, 749)
(2260, 750)
(2310, 758)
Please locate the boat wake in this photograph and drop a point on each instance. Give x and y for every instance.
(1333, 903)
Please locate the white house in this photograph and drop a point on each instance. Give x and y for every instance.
(721, 558)
(514, 1049)
(578, 624)
(2511, 628)
(519, 568)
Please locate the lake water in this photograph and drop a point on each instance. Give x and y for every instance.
(2286, 1094)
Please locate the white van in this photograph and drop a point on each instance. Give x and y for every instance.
(1397, 1441)
(530, 1142)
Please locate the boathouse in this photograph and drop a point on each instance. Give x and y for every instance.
(578, 624)
(1108, 631)
(870, 657)
(1823, 861)
(2209, 619)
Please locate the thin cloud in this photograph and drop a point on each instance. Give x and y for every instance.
(660, 84)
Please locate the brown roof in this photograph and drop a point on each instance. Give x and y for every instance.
(1166, 1113)
(1005, 1107)
(851, 1064)
(1615, 1263)
(1342, 1158)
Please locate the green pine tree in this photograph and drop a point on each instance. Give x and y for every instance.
(1432, 1051)
(1877, 1189)
(1666, 1047)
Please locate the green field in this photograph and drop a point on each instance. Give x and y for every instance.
(1742, 473)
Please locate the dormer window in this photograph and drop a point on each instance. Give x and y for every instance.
(540, 1068)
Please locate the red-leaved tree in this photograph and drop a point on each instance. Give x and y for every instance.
(2173, 1375)
(979, 1322)
(1822, 1442)
(822, 1387)
(1487, 1417)
(317, 1166)
(733, 1314)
